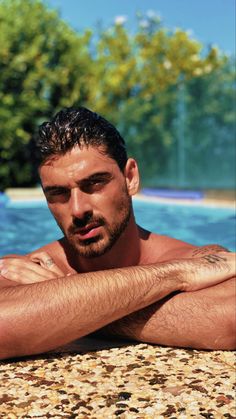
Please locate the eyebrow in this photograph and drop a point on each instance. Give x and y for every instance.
(104, 175)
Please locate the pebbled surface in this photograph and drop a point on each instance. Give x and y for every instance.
(99, 379)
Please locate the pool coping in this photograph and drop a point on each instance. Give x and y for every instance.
(36, 194)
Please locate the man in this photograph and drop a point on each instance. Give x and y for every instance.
(107, 273)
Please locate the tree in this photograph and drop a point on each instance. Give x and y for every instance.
(138, 88)
(44, 65)
(158, 86)
(210, 129)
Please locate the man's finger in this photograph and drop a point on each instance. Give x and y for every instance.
(19, 264)
(23, 276)
(47, 262)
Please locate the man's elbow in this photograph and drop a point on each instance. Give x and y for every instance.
(8, 347)
(207, 323)
(13, 343)
(220, 332)
(227, 339)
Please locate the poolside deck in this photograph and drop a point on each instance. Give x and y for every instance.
(132, 381)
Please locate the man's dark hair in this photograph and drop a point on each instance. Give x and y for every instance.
(82, 127)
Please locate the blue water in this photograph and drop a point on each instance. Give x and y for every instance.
(27, 226)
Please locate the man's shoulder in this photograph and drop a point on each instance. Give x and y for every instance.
(168, 248)
(48, 248)
(51, 249)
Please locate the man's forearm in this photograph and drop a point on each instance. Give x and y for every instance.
(204, 319)
(39, 317)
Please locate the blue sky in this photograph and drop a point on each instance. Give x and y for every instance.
(212, 21)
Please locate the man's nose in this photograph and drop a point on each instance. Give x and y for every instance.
(79, 203)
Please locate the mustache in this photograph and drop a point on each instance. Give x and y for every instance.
(83, 222)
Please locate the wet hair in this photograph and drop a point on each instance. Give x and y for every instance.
(79, 126)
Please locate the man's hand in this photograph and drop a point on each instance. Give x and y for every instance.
(38, 267)
(203, 319)
(39, 317)
(197, 273)
(206, 271)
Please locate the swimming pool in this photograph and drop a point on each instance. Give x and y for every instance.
(25, 226)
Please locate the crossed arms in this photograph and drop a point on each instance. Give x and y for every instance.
(187, 302)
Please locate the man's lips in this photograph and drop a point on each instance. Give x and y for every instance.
(90, 230)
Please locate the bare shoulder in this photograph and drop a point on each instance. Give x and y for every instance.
(50, 248)
(56, 251)
(162, 248)
(171, 248)
(187, 250)
(199, 251)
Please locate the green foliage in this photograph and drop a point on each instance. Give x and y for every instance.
(158, 86)
(139, 88)
(44, 65)
(210, 128)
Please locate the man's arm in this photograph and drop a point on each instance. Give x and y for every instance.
(203, 319)
(39, 317)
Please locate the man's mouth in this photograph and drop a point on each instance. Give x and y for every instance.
(89, 231)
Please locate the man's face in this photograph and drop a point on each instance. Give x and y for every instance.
(88, 196)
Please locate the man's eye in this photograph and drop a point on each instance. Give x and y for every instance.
(57, 192)
(94, 185)
(98, 182)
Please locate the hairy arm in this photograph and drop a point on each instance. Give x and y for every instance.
(41, 316)
(203, 319)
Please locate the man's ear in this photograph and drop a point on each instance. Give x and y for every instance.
(131, 174)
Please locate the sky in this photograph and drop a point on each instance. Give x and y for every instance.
(212, 22)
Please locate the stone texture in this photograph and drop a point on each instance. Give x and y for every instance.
(98, 379)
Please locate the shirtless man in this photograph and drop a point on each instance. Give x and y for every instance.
(107, 273)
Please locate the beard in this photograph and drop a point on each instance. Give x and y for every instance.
(102, 243)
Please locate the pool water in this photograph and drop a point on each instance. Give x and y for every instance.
(26, 226)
